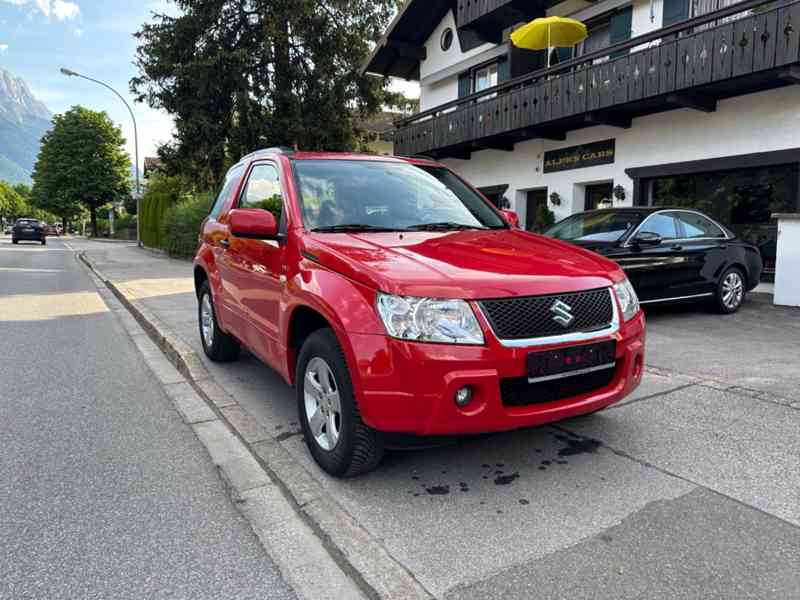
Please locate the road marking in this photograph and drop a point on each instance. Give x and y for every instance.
(41, 307)
(16, 270)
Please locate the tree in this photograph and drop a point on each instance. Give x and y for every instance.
(238, 75)
(12, 204)
(82, 161)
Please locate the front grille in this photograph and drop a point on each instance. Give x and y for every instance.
(517, 391)
(531, 316)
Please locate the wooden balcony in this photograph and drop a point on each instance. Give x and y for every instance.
(693, 64)
(488, 18)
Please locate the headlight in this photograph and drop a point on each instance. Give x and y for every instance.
(429, 320)
(628, 300)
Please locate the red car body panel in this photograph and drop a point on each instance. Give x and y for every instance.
(260, 286)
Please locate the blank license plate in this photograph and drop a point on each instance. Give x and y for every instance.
(574, 360)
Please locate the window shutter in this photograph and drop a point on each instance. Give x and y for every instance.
(503, 70)
(620, 26)
(464, 84)
(674, 11)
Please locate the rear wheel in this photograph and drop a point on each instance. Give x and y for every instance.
(336, 436)
(218, 345)
(44, 241)
(13, 241)
(730, 291)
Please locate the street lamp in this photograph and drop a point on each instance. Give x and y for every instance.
(71, 73)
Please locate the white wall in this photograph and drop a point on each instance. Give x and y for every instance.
(787, 268)
(446, 90)
(758, 122)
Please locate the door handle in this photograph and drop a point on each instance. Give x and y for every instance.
(225, 243)
(676, 247)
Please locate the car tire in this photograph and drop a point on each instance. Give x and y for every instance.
(731, 291)
(44, 242)
(218, 345)
(355, 448)
(14, 241)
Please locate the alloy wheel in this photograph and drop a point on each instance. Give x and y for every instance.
(322, 403)
(732, 290)
(207, 321)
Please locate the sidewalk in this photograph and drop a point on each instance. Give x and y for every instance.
(673, 491)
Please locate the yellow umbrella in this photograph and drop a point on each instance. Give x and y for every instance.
(549, 32)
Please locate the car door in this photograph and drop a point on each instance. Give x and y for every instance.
(656, 271)
(216, 235)
(257, 267)
(704, 243)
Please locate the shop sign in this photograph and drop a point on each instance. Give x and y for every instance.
(577, 157)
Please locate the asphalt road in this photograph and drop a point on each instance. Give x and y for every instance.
(690, 488)
(104, 491)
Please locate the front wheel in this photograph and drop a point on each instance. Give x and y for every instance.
(218, 345)
(730, 291)
(14, 241)
(44, 242)
(336, 436)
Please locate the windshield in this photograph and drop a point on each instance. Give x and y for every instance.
(595, 227)
(341, 195)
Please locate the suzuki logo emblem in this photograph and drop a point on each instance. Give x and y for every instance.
(563, 313)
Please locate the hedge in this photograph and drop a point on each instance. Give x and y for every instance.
(162, 193)
(181, 226)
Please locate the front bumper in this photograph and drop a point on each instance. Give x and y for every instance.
(410, 387)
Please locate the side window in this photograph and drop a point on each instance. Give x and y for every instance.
(661, 224)
(697, 226)
(227, 189)
(263, 190)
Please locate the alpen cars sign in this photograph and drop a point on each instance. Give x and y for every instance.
(576, 157)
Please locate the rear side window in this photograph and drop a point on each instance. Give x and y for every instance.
(231, 179)
(698, 226)
(661, 224)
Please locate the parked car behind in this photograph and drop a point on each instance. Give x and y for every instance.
(28, 230)
(397, 299)
(669, 254)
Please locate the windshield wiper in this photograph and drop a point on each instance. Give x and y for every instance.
(444, 226)
(352, 227)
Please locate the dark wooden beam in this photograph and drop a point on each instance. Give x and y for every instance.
(493, 145)
(695, 101)
(790, 74)
(460, 154)
(612, 120)
(407, 50)
(556, 136)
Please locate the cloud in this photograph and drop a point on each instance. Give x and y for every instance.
(78, 32)
(3, 48)
(61, 9)
(64, 10)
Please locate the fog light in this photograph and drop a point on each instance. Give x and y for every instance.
(464, 396)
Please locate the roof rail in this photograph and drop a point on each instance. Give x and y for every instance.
(268, 152)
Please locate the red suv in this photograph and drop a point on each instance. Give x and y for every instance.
(396, 298)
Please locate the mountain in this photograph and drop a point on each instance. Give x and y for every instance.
(23, 122)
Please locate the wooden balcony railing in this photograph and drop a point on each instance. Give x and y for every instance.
(747, 47)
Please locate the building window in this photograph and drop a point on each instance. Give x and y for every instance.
(485, 77)
(608, 30)
(447, 39)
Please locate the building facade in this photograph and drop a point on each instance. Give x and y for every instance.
(667, 102)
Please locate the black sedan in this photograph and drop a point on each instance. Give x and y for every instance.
(30, 230)
(669, 254)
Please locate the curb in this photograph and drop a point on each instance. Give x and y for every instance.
(357, 553)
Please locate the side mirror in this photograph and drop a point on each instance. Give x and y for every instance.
(511, 217)
(253, 223)
(647, 238)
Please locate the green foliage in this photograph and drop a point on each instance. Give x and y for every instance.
(12, 204)
(181, 225)
(162, 193)
(82, 161)
(543, 218)
(239, 76)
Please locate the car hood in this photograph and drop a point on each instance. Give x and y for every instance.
(462, 264)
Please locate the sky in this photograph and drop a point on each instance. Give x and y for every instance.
(94, 38)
